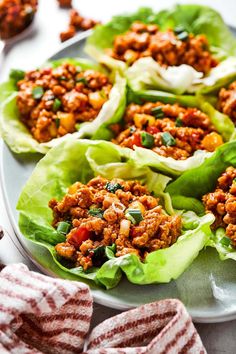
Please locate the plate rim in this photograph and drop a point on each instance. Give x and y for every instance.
(113, 303)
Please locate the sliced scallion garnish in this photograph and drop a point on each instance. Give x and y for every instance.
(98, 212)
(56, 104)
(37, 92)
(179, 29)
(168, 139)
(113, 187)
(178, 122)
(225, 241)
(147, 140)
(57, 122)
(158, 112)
(63, 227)
(134, 215)
(183, 36)
(82, 80)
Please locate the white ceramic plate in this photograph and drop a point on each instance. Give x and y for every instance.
(207, 288)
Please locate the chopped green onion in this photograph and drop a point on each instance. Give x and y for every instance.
(110, 251)
(113, 187)
(98, 253)
(168, 139)
(77, 126)
(102, 253)
(98, 212)
(82, 80)
(56, 104)
(63, 78)
(183, 36)
(178, 122)
(37, 92)
(57, 121)
(179, 29)
(132, 129)
(147, 140)
(134, 215)
(225, 241)
(103, 93)
(158, 112)
(63, 227)
(17, 75)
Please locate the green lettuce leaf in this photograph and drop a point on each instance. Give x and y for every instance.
(146, 73)
(187, 191)
(220, 76)
(168, 165)
(103, 35)
(18, 137)
(200, 19)
(160, 266)
(196, 19)
(222, 244)
(202, 179)
(80, 160)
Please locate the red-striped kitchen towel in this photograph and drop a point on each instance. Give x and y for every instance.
(39, 314)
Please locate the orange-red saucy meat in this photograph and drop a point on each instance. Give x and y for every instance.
(222, 203)
(169, 48)
(65, 3)
(15, 16)
(169, 130)
(227, 101)
(77, 23)
(52, 101)
(117, 213)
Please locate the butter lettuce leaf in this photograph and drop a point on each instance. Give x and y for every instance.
(167, 165)
(200, 19)
(81, 160)
(145, 73)
(20, 140)
(188, 189)
(197, 19)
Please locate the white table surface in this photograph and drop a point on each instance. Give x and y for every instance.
(217, 338)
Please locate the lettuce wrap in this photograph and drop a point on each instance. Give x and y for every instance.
(20, 140)
(167, 165)
(187, 191)
(80, 160)
(146, 73)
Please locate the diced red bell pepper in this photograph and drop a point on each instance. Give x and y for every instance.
(136, 139)
(152, 130)
(78, 236)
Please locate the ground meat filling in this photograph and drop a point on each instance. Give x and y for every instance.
(77, 23)
(222, 203)
(52, 102)
(65, 3)
(117, 213)
(169, 130)
(169, 48)
(15, 16)
(227, 101)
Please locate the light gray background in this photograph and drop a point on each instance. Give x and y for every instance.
(217, 338)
